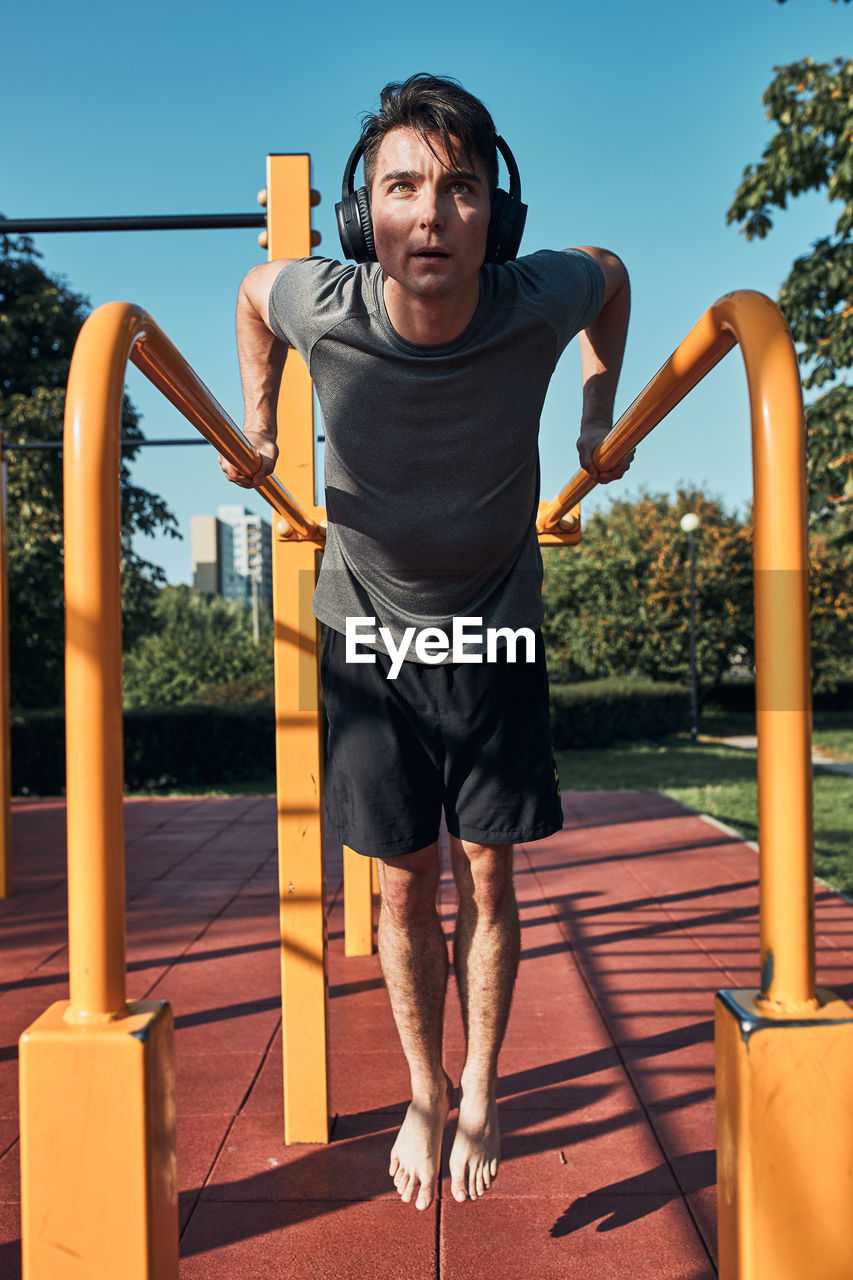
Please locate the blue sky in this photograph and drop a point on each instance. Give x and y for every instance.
(631, 124)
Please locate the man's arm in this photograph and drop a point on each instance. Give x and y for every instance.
(261, 355)
(602, 345)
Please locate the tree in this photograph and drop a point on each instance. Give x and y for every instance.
(201, 649)
(831, 584)
(618, 603)
(811, 105)
(40, 318)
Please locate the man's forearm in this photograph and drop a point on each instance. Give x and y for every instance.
(602, 346)
(262, 356)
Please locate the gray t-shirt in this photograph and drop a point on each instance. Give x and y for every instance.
(432, 464)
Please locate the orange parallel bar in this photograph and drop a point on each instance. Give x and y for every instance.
(783, 675)
(704, 347)
(113, 334)
(163, 364)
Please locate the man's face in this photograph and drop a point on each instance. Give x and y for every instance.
(430, 217)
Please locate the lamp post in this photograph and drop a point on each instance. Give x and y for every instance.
(253, 557)
(690, 523)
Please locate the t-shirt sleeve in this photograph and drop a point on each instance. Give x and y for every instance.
(307, 298)
(566, 287)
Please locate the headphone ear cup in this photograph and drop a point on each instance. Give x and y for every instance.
(355, 227)
(506, 227)
(346, 212)
(366, 223)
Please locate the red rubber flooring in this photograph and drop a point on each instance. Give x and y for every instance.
(632, 917)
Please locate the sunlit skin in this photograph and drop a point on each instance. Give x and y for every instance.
(430, 221)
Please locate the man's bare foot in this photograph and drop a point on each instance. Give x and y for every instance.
(476, 1150)
(416, 1155)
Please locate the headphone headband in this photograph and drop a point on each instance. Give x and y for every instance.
(506, 224)
(511, 168)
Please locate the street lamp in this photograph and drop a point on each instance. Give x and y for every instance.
(689, 524)
(253, 557)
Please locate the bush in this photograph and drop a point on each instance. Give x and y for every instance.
(216, 745)
(38, 752)
(598, 712)
(739, 695)
(163, 747)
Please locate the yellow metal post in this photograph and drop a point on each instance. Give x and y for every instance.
(98, 1180)
(358, 904)
(299, 758)
(5, 750)
(784, 1158)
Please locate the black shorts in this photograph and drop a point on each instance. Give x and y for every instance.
(471, 739)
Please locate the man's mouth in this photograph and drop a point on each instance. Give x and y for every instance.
(432, 255)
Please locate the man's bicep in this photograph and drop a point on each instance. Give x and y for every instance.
(258, 284)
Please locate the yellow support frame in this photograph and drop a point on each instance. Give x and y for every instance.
(784, 1053)
(98, 1180)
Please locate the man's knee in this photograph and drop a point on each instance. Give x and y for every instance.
(483, 874)
(409, 884)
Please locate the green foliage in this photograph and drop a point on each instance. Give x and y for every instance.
(811, 105)
(618, 603)
(598, 712)
(39, 322)
(831, 584)
(199, 650)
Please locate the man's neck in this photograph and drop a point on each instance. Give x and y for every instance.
(429, 321)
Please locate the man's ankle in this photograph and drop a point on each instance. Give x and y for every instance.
(427, 1089)
(478, 1083)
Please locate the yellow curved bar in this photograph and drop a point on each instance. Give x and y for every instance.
(783, 675)
(113, 334)
(94, 770)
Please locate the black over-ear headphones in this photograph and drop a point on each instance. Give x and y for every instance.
(506, 224)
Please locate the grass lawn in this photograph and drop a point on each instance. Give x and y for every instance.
(720, 781)
(832, 731)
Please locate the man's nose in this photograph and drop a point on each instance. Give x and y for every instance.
(430, 209)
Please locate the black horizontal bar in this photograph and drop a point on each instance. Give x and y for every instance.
(165, 222)
(125, 444)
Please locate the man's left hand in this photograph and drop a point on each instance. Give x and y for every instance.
(591, 436)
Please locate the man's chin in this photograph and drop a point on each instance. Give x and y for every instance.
(431, 283)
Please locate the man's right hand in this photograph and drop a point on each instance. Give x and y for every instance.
(268, 451)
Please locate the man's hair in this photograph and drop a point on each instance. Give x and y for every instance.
(435, 107)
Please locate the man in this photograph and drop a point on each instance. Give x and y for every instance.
(431, 369)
